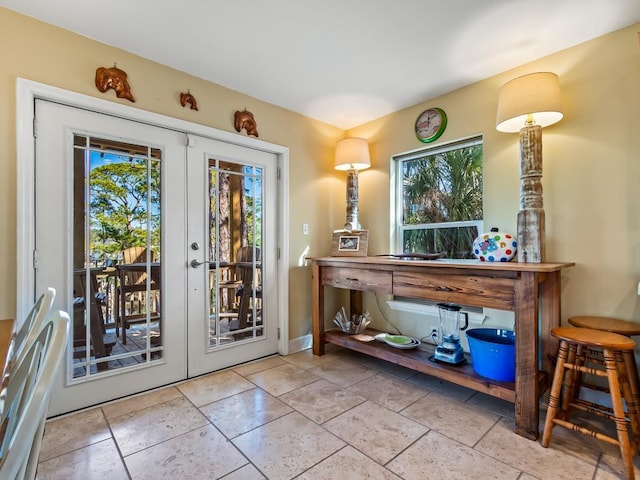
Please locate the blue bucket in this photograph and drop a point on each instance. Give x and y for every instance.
(493, 353)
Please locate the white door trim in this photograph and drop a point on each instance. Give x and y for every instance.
(26, 93)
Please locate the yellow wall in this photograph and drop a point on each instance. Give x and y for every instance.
(591, 158)
(591, 176)
(40, 52)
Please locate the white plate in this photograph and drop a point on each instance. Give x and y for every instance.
(411, 343)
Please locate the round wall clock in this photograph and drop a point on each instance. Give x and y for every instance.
(430, 124)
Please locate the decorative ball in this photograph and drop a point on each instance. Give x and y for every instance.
(495, 246)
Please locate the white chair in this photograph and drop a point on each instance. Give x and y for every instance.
(26, 399)
(23, 334)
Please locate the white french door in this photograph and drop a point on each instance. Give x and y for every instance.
(232, 252)
(121, 210)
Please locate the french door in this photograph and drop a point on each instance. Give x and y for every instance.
(232, 252)
(162, 253)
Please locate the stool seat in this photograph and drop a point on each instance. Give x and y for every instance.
(613, 325)
(592, 337)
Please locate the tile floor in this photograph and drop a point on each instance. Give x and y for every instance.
(339, 416)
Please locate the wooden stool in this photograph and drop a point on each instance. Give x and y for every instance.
(570, 356)
(621, 327)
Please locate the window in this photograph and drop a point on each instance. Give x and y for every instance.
(438, 198)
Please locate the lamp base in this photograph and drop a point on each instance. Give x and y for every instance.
(531, 245)
(352, 226)
(352, 201)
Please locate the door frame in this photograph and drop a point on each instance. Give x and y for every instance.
(26, 93)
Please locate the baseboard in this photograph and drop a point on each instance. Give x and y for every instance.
(301, 343)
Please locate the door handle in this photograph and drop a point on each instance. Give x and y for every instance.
(195, 263)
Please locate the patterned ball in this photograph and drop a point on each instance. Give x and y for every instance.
(495, 247)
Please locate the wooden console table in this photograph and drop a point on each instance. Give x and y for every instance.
(531, 290)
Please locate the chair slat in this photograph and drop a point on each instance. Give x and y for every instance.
(26, 398)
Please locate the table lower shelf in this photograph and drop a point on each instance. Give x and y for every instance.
(419, 359)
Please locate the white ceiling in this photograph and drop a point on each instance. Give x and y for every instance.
(344, 62)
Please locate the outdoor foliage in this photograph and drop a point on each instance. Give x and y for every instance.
(442, 188)
(238, 205)
(119, 214)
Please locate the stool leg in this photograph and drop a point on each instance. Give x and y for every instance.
(618, 412)
(554, 394)
(573, 378)
(632, 372)
(627, 365)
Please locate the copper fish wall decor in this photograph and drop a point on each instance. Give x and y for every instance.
(115, 79)
(190, 99)
(245, 120)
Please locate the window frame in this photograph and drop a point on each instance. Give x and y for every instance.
(397, 227)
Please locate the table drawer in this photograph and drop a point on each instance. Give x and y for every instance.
(357, 279)
(463, 289)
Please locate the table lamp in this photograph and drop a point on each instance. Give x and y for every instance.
(352, 154)
(526, 104)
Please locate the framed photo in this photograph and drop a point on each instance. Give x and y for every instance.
(350, 243)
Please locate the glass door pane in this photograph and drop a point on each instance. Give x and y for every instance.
(116, 255)
(235, 252)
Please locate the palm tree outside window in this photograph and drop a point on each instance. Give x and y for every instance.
(438, 195)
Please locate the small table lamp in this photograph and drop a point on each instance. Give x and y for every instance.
(352, 154)
(526, 104)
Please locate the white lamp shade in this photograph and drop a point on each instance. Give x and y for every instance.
(535, 94)
(352, 153)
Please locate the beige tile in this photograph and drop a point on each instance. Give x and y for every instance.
(451, 417)
(75, 431)
(282, 379)
(347, 354)
(565, 458)
(376, 431)
(138, 402)
(437, 456)
(611, 466)
(99, 461)
(348, 463)
(388, 368)
(287, 446)
(607, 474)
(441, 386)
(321, 400)
(213, 387)
(169, 437)
(245, 411)
(306, 359)
(492, 404)
(343, 371)
(248, 368)
(389, 392)
(201, 453)
(248, 472)
(152, 425)
(574, 443)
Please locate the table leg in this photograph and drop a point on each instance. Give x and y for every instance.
(355, 302)
(549, 318)
(526, 330)
(96, 321)
(123, 305)
(116, 310)
(317, 310)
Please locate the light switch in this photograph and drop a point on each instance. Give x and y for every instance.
(305, 229)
